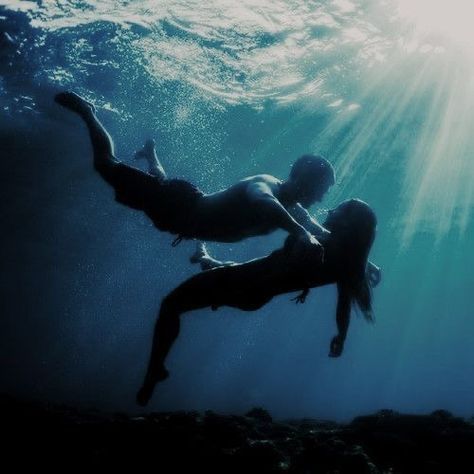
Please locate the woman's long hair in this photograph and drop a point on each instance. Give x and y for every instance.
(354, 223)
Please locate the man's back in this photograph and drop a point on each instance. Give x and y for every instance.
(236, 212)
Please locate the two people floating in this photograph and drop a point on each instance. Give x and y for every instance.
(313, 255)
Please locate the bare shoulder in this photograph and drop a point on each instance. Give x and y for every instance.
(266, 181)
(261, 185)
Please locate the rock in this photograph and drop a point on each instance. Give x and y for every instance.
(356, 461)
(184, 441)
(259, 414)
(224, 431)
(263, 456)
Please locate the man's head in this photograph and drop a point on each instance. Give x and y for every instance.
(310, 178)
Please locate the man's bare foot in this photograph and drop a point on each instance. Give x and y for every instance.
(199, 254)
(145, 393)
(147, 152)
(74, 102)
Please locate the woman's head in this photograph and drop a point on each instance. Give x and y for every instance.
(353, 217)
(353, 223)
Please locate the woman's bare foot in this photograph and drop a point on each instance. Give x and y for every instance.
(200, 253)
(74, 102)
(145, 393)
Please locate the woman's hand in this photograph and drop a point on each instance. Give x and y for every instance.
(374, 274)
(337, 346)
(301, 298)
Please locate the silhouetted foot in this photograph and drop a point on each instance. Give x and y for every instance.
(199, 254)
(74, 102)
(147, 151)
(145, 393)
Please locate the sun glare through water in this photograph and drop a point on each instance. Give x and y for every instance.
(395, 78)
(452, 19)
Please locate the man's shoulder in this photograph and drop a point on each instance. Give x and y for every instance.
(259, 185)
(262, 178)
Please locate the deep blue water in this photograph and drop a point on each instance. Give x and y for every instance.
(228, 92)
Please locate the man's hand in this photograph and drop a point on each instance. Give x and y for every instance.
(374, 274)
(306, 243)
(337, 346)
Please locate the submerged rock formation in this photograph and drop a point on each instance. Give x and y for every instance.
(386, 442)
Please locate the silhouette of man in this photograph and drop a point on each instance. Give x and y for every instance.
(256, 205)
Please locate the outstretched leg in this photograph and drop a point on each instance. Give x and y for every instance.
(166, 332)
(200, 291)
(133, 187)
(102, 143)
(148, 152)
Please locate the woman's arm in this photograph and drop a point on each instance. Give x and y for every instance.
(374, 274)
(343, 315)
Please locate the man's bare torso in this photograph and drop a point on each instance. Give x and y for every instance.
(234, 213)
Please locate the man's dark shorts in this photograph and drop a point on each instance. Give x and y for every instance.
(170, 203)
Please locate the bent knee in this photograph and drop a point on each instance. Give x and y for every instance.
(104, 163)
(180, 301)
(170, 306)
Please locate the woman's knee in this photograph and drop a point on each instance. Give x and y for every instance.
(170, 307)
(181, 300)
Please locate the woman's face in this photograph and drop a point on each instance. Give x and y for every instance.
(335, 217)
(351, 217)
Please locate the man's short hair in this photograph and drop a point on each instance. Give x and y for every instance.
(313, 167)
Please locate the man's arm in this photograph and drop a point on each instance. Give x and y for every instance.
(343, 315)
(303, 217)
(272, 210)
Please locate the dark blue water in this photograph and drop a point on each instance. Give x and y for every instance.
(228, 92)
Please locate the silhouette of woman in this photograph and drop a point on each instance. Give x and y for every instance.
(249, 286)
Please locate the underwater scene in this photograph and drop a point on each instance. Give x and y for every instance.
(383, 91)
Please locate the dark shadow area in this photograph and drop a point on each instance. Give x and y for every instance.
(180, 441)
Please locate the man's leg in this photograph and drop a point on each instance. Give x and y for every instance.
(102, 143)
(132, 186)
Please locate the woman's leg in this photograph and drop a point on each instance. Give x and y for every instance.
(197, 292)
(166, 332)
(239, 286)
